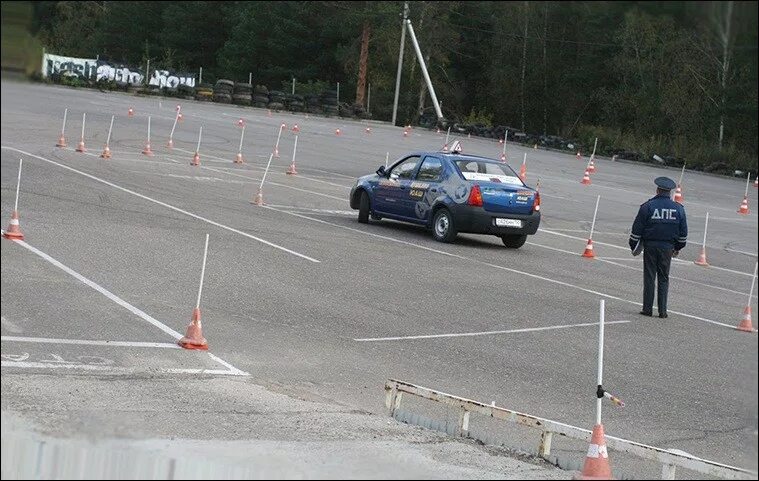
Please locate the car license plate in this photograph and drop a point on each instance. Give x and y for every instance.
(508, 222)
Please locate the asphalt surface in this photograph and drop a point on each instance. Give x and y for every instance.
(135, 226)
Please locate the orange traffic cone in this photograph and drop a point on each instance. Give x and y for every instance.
(283, 126)
(170, 144)
(589, 250)
(14, 228)
(585, 178)
(194, 339)
(437, 130)
(238, 158)
(291, 170)
(80, 147)
(678, 195)
(746, 325)
(597, 460)
(523, 172)
(500, 141)
(503, 157)
(337, 131)
(579, 157)
(147, 151)
(106, 153)
(743, 209)
(195, 159)
(368, 130)
(61, 141)
(756, 181)
(259, 198)
(240, 122)
(701, 261)
(295, 128)
(591, 166)
(130, 112)
(405, 133)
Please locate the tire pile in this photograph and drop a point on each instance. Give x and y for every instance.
(260, 96)
(204, 92)
(222, 91)
(242, 94)
(329, 103)
(277, 100)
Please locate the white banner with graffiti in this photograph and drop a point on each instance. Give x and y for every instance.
(94, 69)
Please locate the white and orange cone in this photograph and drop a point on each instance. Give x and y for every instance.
(194, 339)
(405, 133)
(597, 460)
(756, 181)
(503, 157)
(585, 178)
(589, 250)
(523, 169)
(337, 131)
(62, 139)
(80, 147)
(678, 195)
(130, 112)
(170, 144)
(591, 166)
(259, 198)
(195, 159)
(746, 324)
(743, 209)
(579, 157)
(291, 170)
(701, 261)
(240, 122)
(238, 158)
(146, 150)
(14, 228)
(367, 130)
(295, 128)
(106, 153)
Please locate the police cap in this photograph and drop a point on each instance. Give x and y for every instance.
(665, 183)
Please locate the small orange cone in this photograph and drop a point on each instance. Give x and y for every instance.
(597, 460)
(585, 178)
(80, 147)
(589, 250)
(337, 131)
(240, 122)
(743, 209)
(591, 166)
(170, 144)
(283, 126)
(746, 325)
(147, 151)
(500, 141)
(368, 130)
(523, 172)
(701, 261)
(503, 157)
(579, 157)
(437, 130)
(295, 128)
(291, 170)
(194, 339)
(61, 141)
(259, 198)
(106, 153)
(195, 159)
(756, 181)
(238, 158)
(14, 228)
(678, 195)
(405, 133)
(130, 112)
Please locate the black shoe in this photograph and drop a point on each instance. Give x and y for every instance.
(647, 313)
(663, 315)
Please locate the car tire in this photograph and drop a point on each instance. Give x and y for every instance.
(363, 208)
(514, 241)
(443, 228)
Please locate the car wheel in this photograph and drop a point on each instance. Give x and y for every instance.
(514, 241)
(363, 208)
(443, 229)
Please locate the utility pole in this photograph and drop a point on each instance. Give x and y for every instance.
(524, 56)
(400, 62)
(361, 85)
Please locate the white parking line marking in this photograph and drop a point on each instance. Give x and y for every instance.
(484, 333)
(168, 206)
(85, 342)
(496, 266)
(114, 370)
(118, 300)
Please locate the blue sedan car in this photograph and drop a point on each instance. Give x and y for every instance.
(450, 193)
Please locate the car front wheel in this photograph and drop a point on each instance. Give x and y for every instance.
(443, 229)
(514, 241)
(363, 208)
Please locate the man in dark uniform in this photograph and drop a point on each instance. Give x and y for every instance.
(661, 229)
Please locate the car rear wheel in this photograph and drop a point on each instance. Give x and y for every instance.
(514, 241)
(443, 229)
(363, 208)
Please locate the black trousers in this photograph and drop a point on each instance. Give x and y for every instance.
(656, 262)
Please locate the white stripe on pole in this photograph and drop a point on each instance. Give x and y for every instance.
(748, 179)
(505, 136)
(753, 281)
(276, 146)
(84, 117)
(595, 212)
(202, 273)
(65, 113)
(200, 133)
(265, 172)
(242, 134)
(108, 140)
(679, 182)
(706, 224)
(18, 184)
(387, 157)
(176, 118)
(148, 129)
(600, 357)
(595, 144)
(295, 147)
(447, 135)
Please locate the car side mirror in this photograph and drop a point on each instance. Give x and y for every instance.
(381, 171)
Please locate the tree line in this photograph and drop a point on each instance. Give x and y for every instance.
(671, 78)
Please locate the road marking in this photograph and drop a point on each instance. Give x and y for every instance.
(306, 209)
(117, 299)
(8, 325)
(85, 342)
(484, 333)
(168, 206)
(496, 266)
(114, 370)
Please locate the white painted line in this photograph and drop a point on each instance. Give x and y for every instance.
(484, 333)
(84, 342)
(496, 266)
(232, 370)
(306, 209)
(9, 326)
(112, 369)
(168, 206)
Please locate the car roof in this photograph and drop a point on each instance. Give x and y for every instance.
(454, 156)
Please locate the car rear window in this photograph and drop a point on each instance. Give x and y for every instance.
(473, 169)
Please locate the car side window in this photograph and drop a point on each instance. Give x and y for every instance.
(431, 170)
(406, 169)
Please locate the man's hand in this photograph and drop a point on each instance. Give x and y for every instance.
(675, 253)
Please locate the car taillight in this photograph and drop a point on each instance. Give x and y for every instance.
(475, 196)
(536, 205)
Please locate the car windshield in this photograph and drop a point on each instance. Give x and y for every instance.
(483, 170)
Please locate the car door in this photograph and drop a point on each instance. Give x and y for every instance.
(392, 193)
(425, 187)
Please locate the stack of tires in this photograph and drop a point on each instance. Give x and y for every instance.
(222, 91)
(204, 92)
(296, 103)
(260, 96)
(185, 91)
(329, 102)
(242, 95)
(277, 100)
(313, 104)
